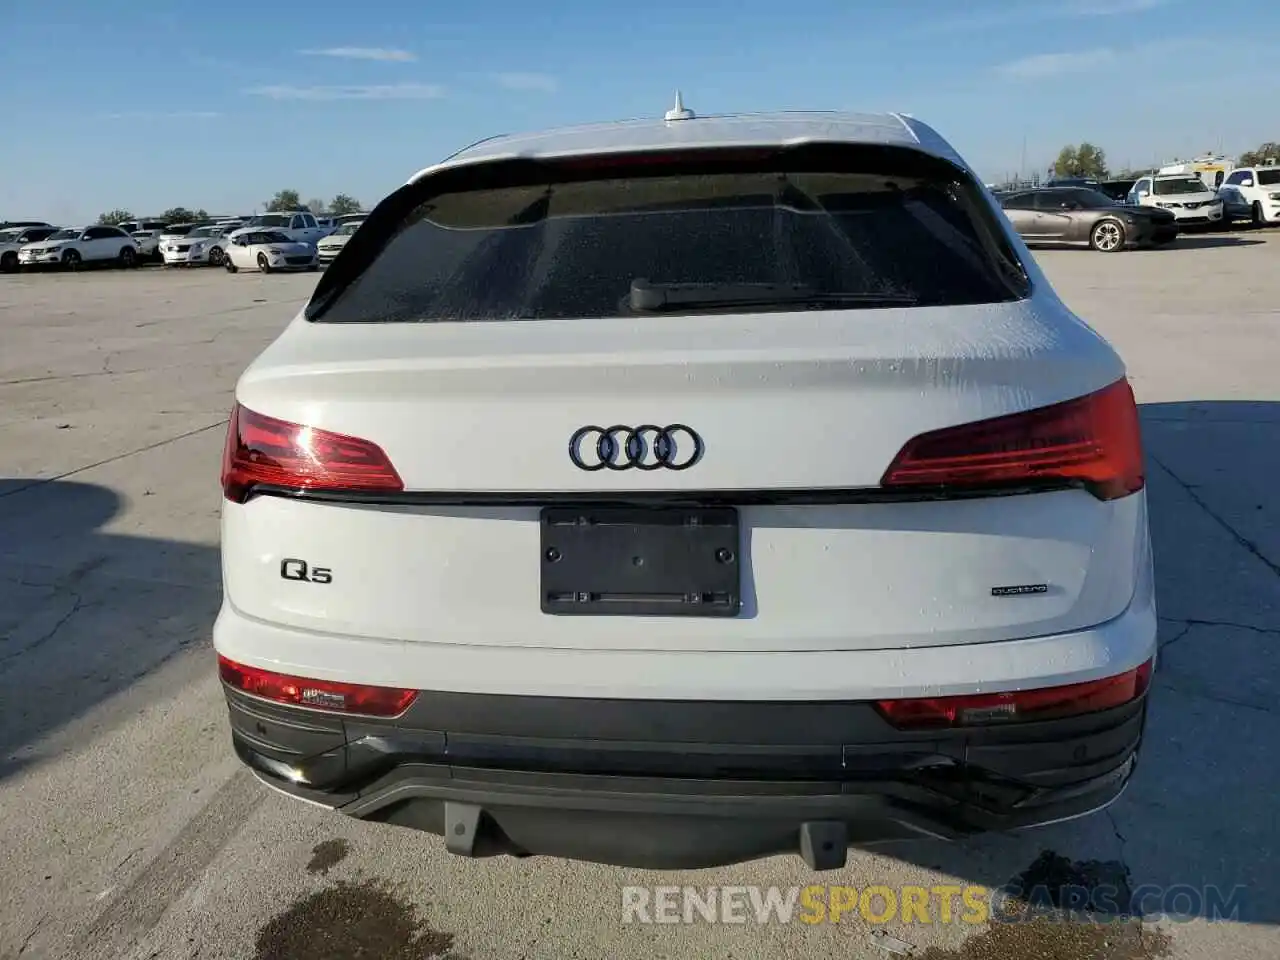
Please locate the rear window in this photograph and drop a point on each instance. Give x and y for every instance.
(751, 240)
(1179, 185)
(1268, 178)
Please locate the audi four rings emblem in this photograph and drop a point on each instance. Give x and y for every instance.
(646, 447)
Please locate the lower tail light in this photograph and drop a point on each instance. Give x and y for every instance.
(1094, 441)
(351, 698)
(262, 451)
(1046, 703)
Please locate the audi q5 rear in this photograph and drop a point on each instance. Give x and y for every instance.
(675, 493)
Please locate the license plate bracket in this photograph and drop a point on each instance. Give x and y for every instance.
(640, 561)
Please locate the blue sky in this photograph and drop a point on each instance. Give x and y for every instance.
(151, 105)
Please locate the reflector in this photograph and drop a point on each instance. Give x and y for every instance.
(1045, 703)
(328, 695)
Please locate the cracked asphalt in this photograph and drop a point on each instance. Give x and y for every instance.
(129, 830)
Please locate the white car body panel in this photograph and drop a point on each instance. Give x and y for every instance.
(855, 601)
(830, 577)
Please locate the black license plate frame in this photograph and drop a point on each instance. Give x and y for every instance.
(605, 560)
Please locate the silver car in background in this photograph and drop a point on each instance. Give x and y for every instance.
(332, 245)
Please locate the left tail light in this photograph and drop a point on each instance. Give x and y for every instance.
(262, 451)
(352, 698)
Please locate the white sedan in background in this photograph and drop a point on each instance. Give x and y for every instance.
(268, 250)
(332, 245)
(202, 246)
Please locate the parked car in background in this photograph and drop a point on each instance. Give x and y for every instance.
(1082, 215)
(7, 224)
(138, 226)
(1117, 190)
(1184, 195)
(70, 247)
(350, 217)
(1253, 194)
(332, 245)
(1090, 182)
(148, 243)
(201, 246)
(12, 239)
(295, 224)
(175, 231)
(267, 251)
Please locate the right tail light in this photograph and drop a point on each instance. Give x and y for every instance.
(1094, 440)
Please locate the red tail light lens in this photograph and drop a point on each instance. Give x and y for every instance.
(1094, 440)
(328, 695)
(1047, 703)
(262, 451)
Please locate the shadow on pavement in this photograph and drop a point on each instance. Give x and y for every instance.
(1199, 241)
(85, 613)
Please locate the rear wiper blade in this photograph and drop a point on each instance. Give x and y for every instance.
(647, 297)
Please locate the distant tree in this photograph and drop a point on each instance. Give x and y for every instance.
(1086, 160)
(182, 215)
(315, 205)
(343, 204)
(1267, 151)
(284, 200)
(113, 217)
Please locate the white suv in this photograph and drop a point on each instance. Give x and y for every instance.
(1184, 195)
(69, 247)
(13, 239)
(1253, 194)
(673, 493)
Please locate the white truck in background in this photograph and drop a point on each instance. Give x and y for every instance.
(1211, 168)
(300, 225)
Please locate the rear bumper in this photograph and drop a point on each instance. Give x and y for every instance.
(679, 784)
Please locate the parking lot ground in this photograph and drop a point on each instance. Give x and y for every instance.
(130, 831)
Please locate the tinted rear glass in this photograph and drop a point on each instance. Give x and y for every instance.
(1268, 178)
(1179, 185)
(573, 250)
